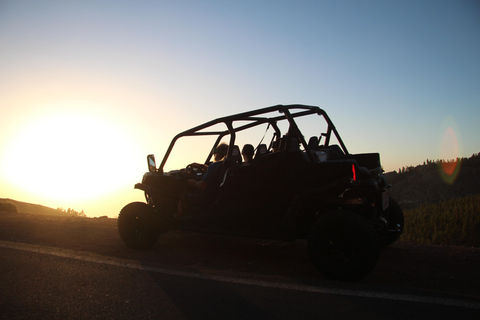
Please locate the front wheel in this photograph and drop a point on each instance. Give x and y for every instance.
(138, 226)
(343, 245)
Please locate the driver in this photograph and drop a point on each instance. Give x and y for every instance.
(212, 175)
(206, 188)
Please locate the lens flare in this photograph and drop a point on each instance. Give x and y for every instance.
(449, 165)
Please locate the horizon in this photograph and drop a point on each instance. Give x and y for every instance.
(88, 89)
(451, 176)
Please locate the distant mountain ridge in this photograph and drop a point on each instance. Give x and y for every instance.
(423, 184)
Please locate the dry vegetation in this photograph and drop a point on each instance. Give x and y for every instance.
(452, 222)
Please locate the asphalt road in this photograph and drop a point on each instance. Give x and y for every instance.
(48, 282)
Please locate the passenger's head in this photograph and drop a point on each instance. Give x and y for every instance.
(220, 151)
(276, 145)
(247, 152)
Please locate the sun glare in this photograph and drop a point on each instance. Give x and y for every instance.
(71, 157)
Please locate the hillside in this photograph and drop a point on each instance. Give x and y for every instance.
(24, 207)
(423, 184)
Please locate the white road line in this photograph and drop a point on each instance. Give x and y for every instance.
(132, 264)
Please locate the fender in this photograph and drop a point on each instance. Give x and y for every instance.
(151, 190)
(323, 193)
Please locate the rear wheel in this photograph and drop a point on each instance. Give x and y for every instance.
(343, 245)
(138, 226)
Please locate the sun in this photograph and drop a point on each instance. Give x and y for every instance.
(71, 156)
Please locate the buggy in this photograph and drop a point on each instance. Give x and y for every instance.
(301, 184)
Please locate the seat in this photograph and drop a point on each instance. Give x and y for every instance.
(236, 155)
(261, 151)
(293, 144)
(313, 143)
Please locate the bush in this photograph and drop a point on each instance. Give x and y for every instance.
(8, 207)
(72, 212)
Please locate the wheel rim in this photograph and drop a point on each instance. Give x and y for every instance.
(343, 252)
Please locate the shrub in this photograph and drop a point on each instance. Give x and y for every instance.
(8, 207)
(72, 212)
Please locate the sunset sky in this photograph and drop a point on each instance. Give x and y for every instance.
(89, 88)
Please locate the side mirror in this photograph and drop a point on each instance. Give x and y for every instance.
(152, 166)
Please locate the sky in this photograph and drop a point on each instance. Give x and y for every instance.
(89, 88)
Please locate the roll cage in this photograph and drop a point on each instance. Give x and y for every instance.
(270, 116)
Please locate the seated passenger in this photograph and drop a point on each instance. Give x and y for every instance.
(247, 153)
(276, 145)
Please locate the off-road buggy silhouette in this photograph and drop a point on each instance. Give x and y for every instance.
(293, 189)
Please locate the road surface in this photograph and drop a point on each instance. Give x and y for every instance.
(40, 282)
(80, 269)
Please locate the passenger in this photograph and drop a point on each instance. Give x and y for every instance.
(247, 153)
(205, 189)
(276, 145)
